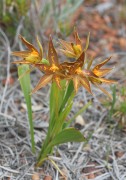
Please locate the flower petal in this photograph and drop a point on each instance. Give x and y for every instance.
(103, 90)
(68, 53)
(77, 39)
(89, 63)
(87, 42)
(21, 62)
(77, 50)
(98, 66)
(44, 68)
(88, 73)
(102, 72)
(41, 49)
(31, 57)
(76, 83)
(80, 60)
(22, 54)
(43, 81)
(85, 83)
(29, 45)
(95, 80)
(52, 54)
(107, 81)
(57, 80)
(66, 45)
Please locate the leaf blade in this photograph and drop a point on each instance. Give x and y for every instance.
(67, 135)
(25, 86)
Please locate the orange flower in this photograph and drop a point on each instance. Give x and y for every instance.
(52, 72)
(75, 73)
(96, 75)
(73, 50)
(31, 56)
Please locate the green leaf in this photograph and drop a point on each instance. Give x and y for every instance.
(67, 135)
(57, 117)
(56, 99)
(62, 117)
(26, 88)
(68, 93)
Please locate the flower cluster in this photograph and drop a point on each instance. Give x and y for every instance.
(79, 71)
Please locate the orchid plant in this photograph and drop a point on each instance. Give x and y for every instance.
(65, 78)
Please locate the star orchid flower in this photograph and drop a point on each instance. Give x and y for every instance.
(80, 76)
(52, 72)
(75, 73)
(99, 73)
(73, 50)
(30, 56)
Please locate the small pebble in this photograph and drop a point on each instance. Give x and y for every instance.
(35, 176)
(79, 122)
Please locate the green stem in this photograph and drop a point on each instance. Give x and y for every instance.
(31, 129)
(44, 153)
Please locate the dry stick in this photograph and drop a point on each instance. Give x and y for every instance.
(104, 114)
(55, 165)
(115, 165)
(8, 68)
(19, 28)
(103, 176)
(77, 153)
(21, 177)
(13, 171)
(9, 149)
(7, 116)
